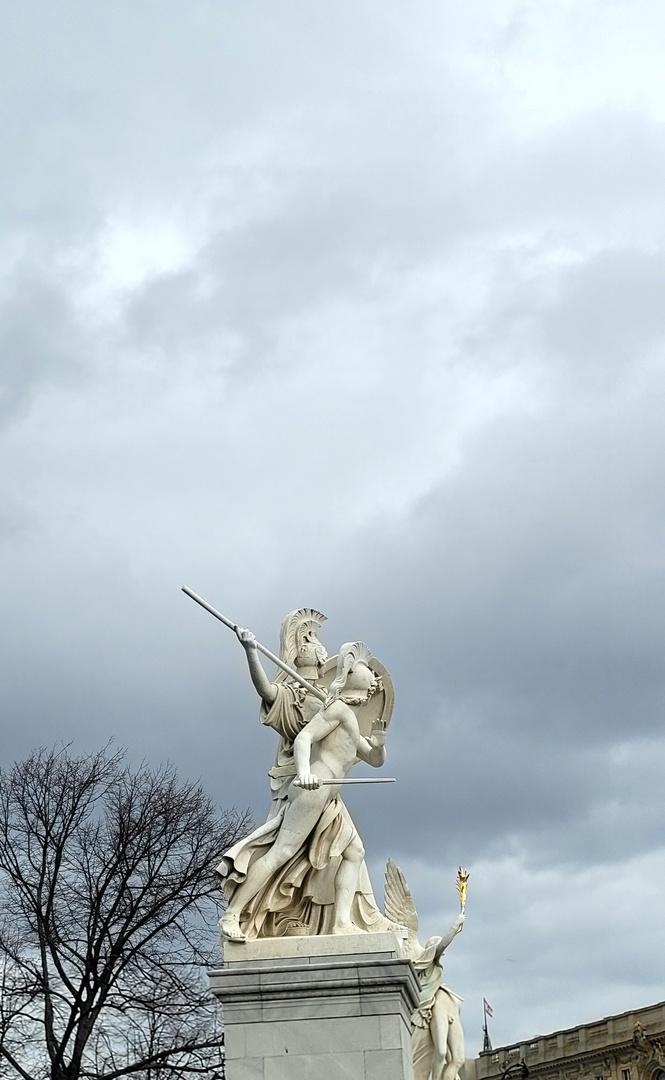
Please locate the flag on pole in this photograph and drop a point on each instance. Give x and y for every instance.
(487, 1011)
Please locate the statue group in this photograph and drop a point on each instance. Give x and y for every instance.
(302, 871)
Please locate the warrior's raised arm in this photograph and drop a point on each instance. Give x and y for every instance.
(262, 684)
(286, 668)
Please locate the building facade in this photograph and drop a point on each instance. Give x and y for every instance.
(630, 1046)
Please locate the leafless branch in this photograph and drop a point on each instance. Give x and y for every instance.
(107, 903)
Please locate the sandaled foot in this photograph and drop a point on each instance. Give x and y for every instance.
(347, 928)
(230, 928)
(385, 925)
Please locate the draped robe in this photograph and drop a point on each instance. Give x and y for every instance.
(299, 897)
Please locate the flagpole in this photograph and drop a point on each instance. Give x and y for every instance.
(487, 1044)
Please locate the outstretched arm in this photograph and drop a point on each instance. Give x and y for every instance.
(264, 688)
(373, 750)
(453, 932)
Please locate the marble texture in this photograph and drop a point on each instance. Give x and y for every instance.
(438, 1038)
(308, 949)
(303, 870)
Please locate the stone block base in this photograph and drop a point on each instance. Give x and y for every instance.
(324, 1008)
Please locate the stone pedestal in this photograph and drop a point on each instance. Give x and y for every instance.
(321, 1008)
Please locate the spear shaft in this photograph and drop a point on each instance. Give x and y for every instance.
(320, 694)
(294, 675)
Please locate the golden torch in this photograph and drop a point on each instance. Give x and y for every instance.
(462, 878)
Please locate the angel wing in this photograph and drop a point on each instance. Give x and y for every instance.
(398, 903)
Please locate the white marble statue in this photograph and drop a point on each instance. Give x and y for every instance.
(438, 1039)
(303, 870)
(285, 705)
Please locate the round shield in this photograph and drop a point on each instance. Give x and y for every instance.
(379, 707)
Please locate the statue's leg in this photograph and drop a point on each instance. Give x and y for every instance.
(448, 1037)
(423, 1053)
(346, 883)
(300, 818)
(455, 1049)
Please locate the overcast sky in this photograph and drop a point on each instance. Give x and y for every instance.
(357, 305)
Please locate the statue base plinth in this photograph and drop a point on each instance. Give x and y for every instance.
(326, 1008)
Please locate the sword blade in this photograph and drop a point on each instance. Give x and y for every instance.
(362, 780)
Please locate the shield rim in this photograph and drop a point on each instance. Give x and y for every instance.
(368, 712)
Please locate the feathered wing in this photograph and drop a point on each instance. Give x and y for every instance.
(399, 905)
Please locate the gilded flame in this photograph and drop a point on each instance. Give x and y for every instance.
(462, 878)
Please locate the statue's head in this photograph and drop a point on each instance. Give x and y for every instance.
(422, 958)
(311, 652)
(360, 680)
(354, 680)
(299, 645)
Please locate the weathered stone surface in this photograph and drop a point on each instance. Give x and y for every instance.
(308, 949)
(341, 1016)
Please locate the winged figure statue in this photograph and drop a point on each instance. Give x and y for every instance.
(438, 1039)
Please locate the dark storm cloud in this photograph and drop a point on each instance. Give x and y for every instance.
(530, 595)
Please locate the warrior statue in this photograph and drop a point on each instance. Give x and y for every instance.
(438, 1039)
(303, 871)
(286, 705)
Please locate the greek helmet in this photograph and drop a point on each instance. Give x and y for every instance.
(350, 654)
(303, 620)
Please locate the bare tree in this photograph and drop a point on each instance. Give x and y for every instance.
(107, 914)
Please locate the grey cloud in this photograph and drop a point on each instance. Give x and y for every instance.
(609, 309)
(38, 337)
(409, 372)
(525, 642)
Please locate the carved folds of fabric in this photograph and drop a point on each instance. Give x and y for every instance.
(302, 892)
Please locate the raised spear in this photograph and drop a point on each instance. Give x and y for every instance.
(295, 675)
(320, 694)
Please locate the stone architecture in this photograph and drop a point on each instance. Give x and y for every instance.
(325, 1008)
(629, 1046)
